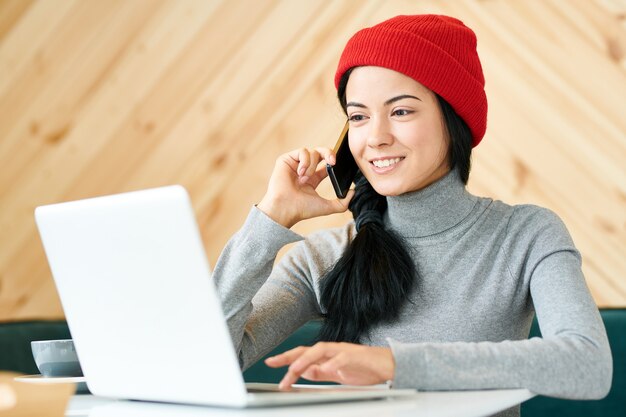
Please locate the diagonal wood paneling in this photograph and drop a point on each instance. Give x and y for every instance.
(103, 97)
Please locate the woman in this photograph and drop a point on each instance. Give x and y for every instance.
(430, 287)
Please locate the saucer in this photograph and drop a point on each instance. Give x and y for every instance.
(80, 381)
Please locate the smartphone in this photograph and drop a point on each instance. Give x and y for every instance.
(343, 172)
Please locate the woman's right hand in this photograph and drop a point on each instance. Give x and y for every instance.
(291, 194)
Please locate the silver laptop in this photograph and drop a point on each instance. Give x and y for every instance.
(135, 285)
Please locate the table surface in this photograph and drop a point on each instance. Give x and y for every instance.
(431, 404)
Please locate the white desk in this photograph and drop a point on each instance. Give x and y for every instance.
(430, 404)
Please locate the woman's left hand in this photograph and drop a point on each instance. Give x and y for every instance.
(345, 363)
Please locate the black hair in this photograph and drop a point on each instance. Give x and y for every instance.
(374, 277)
(460, 137)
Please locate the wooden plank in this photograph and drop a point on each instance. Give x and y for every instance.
(11, 11)
(51, 174)
(23, 43)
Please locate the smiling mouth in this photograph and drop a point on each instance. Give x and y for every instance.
(384, 163)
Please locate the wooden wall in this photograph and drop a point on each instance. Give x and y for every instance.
(100, 97)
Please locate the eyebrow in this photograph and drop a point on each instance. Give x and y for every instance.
(388, 102)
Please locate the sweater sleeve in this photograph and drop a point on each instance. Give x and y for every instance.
(263, 304)
(571, 360)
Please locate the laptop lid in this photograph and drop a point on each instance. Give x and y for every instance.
(135, 285)
(134, 282)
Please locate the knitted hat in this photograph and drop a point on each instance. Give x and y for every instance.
(437, 51)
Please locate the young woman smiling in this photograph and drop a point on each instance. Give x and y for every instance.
(430, 287)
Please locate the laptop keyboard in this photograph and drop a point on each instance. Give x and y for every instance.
(271, 389)
(301, 390)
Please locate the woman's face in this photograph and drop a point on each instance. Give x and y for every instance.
(397, 134)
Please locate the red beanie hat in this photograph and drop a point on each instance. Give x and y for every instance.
(437, 51)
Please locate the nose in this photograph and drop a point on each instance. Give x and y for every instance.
(380, 133)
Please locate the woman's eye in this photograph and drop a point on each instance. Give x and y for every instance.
(356, 117)
(402, 112)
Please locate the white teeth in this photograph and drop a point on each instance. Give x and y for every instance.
(381, 163)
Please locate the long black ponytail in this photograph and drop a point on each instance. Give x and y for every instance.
(374, 277)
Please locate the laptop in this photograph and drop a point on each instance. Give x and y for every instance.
(135, 285)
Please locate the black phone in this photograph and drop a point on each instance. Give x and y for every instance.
(343, 172)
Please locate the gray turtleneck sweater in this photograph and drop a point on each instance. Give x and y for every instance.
(485, 268)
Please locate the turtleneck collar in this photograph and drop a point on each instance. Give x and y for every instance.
(431, 210)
